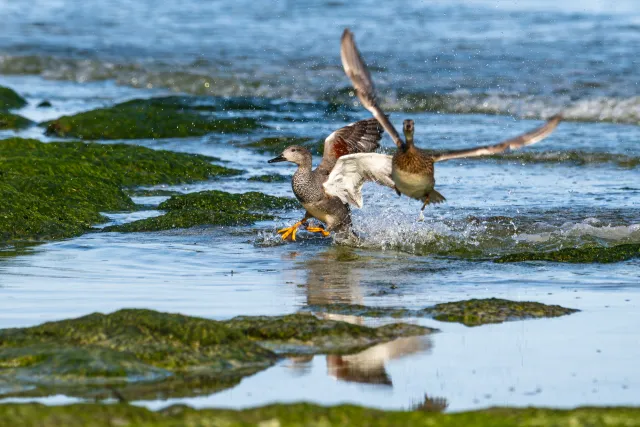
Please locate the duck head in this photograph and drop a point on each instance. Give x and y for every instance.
(294, 154)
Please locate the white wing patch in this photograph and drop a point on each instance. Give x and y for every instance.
(352, 171)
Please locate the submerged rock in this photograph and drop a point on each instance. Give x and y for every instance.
(306, 414)
(148, 354)
(473, 312)
(58, 189)
(140, 119)
(13, 121)
(596, 254)
(274, 177)
(10, 99)
(303, 333)
(276, 145)
(209, 208)
(45, 104)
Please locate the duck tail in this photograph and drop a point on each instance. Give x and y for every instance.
(435, 197)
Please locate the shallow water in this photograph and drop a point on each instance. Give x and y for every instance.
(579, 186)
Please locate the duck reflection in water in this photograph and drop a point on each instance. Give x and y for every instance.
(337, 275)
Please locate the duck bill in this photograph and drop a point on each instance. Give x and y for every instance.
(280, 158)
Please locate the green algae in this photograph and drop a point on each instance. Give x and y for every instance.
(85, 355)
(473, 312)
(214, 207)
(57, 190)
(220, 200)
(187, 218)
(149, 354)
(274, 177)
(142, 192)
(303, 333)
(572, 156)
(140, 119)
(305, 414)
(595, 254)
(202, 103)
(13, 121)
(277, 144)
(10, 99)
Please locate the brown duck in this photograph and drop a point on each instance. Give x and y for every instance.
(411, 168)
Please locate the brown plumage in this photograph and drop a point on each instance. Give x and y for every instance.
(412, 168)
(358, 137)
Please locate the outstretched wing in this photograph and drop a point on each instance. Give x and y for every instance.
(359, 137)
(351, 172)
(523, 140)
(357, 71)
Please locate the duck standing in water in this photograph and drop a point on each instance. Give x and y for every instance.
(307, 183)
(411, 169)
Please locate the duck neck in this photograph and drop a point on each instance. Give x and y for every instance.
(305, 165)
(408, 143)
(408, 136)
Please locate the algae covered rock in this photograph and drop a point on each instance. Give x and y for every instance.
(306, 414)
(148, 354)
(303, 333)
(277, 144)
(274, 177)
(596, 254)
(140, 119)
(13, 121)
(209, 208)
(473, 312)
(10, 99)
(128, 348)
(56, 190)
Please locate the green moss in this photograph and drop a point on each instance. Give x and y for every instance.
(139, 119)
(209, 208)
(305, 414)
(303, 333)
(141, 192)
(10, 99)
(125, 348)
(145, 353)
(13, 121)
(276, 145)
(473, 312)
(202, 103)
(252, 201)
(187, 218)
(596, 254)
(274, 177)
(58, 189)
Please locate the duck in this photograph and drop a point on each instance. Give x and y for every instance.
(307, 183)
(410, 171)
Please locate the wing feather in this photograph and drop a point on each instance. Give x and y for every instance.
(359, 137)
(358, 73)
(520, 141)
(352, 171)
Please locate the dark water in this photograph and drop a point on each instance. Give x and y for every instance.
(528, 58)
(524, 59)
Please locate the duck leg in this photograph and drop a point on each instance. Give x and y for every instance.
(318, 229)
(426, 202)
(291, 231)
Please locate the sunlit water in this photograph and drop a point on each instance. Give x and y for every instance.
(494, 206)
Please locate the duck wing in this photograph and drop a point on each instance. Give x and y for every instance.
(359, 137)
(520, 141)
(352, 171)
(357, 71)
